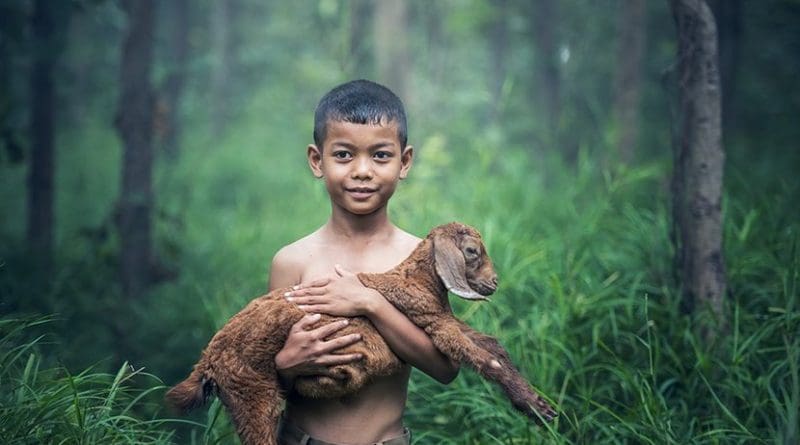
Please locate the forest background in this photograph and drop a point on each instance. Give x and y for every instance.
(548, 125)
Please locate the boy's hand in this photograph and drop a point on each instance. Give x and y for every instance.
(310, 351)
(342, 295)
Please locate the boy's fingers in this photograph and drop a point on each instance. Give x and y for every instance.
(316, 283)
(307, 321)
(313, 308)
(341, 342)
(309, 300)
(306, 292)
(325, 331)
(338, 359)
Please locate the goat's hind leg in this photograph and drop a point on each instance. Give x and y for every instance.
(255, 410)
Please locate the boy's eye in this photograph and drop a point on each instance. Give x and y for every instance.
(341, 154)
(382, 155)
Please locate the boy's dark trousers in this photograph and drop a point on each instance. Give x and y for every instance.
(292, 435)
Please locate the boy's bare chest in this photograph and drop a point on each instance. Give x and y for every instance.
(320, 262)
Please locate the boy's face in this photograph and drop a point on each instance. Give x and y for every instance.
(361, 164)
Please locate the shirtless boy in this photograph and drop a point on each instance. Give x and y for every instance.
(360, 152)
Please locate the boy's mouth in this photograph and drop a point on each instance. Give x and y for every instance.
(360, 192)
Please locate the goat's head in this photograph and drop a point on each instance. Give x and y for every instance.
(462, 262)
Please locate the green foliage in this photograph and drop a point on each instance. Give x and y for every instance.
(39, 404)
(587, 305)
(588, 312)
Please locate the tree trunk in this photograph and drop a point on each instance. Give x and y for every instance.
(12, 46)
(498, 47)
(431, 17)
(631, 36)
(543, 19)
(699, 161)
(178, 39)
(48, 25)
(358, 64)
(222, 32)
(391, 51)
(135, 126)
(728, 14)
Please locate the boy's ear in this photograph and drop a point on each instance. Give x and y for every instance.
(407, 159)
(315, 160)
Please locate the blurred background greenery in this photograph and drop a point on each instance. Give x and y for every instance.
(524, 126)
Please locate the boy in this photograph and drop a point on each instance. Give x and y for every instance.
(360, 152)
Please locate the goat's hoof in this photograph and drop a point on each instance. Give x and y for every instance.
(544, 411)
(538, 410)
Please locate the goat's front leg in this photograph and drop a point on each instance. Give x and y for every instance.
(485, 354)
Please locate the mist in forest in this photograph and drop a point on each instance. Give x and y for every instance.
(633, 167)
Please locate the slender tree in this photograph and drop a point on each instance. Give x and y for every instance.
(391, 48)
(222, 28)
(12, 44)
(172, 91)
(728, 15)
(543, 18)
(134, 123)
(48, 26)
(498, 52)
(631, 37)
(359, 63)
(430, 17)
(699, 160)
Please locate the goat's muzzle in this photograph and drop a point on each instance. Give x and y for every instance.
(485, 287)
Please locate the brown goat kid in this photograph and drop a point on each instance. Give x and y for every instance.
(239, 362)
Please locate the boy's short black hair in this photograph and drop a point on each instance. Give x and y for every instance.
(360, 102)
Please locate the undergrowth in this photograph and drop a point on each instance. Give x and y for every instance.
(41, 404)
(587, 303)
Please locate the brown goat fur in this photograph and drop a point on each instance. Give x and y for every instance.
(239, 362)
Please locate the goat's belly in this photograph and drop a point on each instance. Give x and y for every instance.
(378, 360)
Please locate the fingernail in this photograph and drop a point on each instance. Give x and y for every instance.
(345, 322)
(287, 294)
(314, 316)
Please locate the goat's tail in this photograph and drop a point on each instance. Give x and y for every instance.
(191, 393)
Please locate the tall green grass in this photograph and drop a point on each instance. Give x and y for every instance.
(40, 404)
(587, 305)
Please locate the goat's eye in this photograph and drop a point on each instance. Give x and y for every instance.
(471, 251)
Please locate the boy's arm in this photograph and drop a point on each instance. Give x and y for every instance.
(306, 351)
(345, 296)
(409, 341)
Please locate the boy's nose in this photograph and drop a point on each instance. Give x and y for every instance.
(362, 169)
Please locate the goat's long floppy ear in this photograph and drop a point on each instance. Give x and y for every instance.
(451, 268)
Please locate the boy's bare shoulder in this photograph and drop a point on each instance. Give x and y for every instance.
(403, 243)
(408, 240)
(298, 250)
(288, 263)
